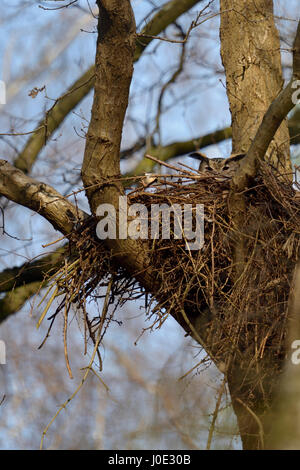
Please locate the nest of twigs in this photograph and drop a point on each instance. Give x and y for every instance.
(243, 316)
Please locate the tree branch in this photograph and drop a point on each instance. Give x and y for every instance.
(166, 16)
(114, 69)
(53, 119)
(32, 271)
(24, 281)
(78, 90)
(42, 198)
(294, 127)
(176, 149)
(274, 116)
(39, 197)
(15, 299)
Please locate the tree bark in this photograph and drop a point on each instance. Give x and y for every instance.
(254, 58)
(101, 165)
(39, 197)
(250, 50)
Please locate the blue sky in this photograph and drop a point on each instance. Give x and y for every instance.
(195, 106)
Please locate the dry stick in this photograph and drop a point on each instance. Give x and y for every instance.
(256, 418)
(165, 88)
(211, 300)
(88, 368)
(65, 328)
(173, 167)
(215, 414)
(188, 167)
(193, 368)
(192, 328)
(58, 8)
(192, 26)
(10, 134)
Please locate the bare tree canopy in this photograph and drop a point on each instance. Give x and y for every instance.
(103, 107)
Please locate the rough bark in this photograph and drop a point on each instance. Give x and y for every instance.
(272, 120)
(101, 170)
(286, 412)
(114, 69)
(101, 165)
(250, 50)
(39, 197)
(258, 108)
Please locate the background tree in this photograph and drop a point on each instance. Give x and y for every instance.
(232, 330)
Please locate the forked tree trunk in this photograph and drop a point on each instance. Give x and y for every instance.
(250, 52)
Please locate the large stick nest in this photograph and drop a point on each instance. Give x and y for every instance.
(246, 315)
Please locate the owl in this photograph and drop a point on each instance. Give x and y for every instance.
(225, 166)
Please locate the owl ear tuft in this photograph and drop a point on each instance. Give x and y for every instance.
(199, 156)
(236, 157)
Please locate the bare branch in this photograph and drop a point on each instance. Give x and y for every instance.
(59, 8)
(53, 119)
(32, 271)
(39, 197)
(166, 16)
(14, 300)
(177, 149)
(276, 113)
(114, 69)
(78, 90)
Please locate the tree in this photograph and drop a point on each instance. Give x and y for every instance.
(229, 297)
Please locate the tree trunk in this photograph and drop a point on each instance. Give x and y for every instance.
(250, 51)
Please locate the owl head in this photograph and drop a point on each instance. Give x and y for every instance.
(225, 166)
